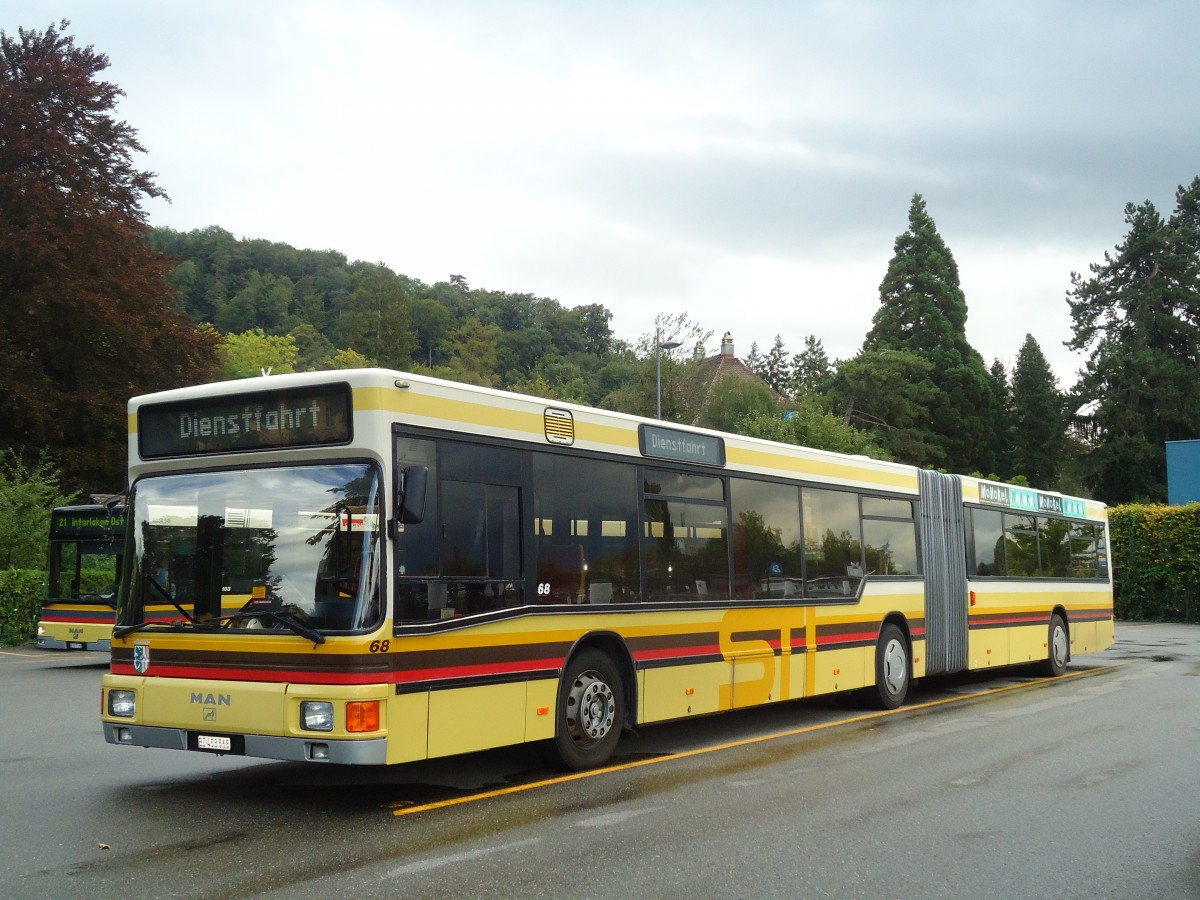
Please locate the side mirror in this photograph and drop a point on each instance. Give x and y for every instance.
(411, 502)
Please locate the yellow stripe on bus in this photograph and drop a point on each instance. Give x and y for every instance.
(819, 468)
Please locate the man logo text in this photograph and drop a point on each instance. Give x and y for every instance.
(211, 699)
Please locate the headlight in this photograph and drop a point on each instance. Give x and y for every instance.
(122, 703)
(316, 715)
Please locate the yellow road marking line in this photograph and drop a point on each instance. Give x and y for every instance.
(744, 742)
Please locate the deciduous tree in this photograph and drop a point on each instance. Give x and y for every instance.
(809, 425)
(255, 352)
(87, 318)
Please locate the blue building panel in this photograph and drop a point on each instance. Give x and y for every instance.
(1183, 472)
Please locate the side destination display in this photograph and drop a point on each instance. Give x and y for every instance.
(297, 417)
(1031, 501)
(681, 446)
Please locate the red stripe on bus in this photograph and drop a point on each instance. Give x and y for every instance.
(299, 676)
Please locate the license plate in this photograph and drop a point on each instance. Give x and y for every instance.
(214, 742)
(74, 645)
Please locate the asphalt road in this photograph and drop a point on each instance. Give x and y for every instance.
(1084, 786)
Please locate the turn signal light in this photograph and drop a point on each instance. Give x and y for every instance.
(362, 715)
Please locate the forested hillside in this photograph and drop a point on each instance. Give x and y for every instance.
(315, 309)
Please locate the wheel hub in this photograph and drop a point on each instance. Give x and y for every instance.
(895, 666)
(594, 709)
(1059, 647)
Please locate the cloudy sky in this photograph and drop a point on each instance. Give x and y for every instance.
(748, 163)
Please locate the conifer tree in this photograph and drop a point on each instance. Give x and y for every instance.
(775, 369)
(923, 311)
(1003, 433)
(754, 360)
(810, 367)
(1138, 315)
(1039, 425)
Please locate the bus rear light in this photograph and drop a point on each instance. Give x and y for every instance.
(122, 704)
(362, 715)
(316, 715)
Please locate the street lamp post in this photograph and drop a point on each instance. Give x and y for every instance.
(659, 347)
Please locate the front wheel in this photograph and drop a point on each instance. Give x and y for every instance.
(591, 712)
(893, 674)
(1058, 648)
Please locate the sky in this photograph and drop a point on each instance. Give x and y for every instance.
(747, 163)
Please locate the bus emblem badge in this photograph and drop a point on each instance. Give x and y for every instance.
(141, 657)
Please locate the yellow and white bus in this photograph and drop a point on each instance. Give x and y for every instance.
(380, 567)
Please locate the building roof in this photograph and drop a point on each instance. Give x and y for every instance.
(711, 371)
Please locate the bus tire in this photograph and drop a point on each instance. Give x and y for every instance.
(1058, 648)
(591, 712)
(893, 671)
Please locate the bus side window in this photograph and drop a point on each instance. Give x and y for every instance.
(768, 553)
(586, 539)
(833, 543)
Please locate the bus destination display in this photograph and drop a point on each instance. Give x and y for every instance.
(86, 522)
(1031, 500)
(681, 446)
(299, 417)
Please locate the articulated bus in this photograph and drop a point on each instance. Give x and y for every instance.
(86, 543)
(379, 567)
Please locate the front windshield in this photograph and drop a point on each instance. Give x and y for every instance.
(85, 570)
(264, 548)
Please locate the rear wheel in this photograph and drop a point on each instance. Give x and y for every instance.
(591, 712)
(1058, 648)
(893, 674)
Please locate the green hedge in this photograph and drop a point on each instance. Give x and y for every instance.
(21, 593)
(1156, 553)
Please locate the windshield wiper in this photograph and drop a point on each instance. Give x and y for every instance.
(109, 600)
(122, 630)
(292, 624)
(283, 617)
(170, 599)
